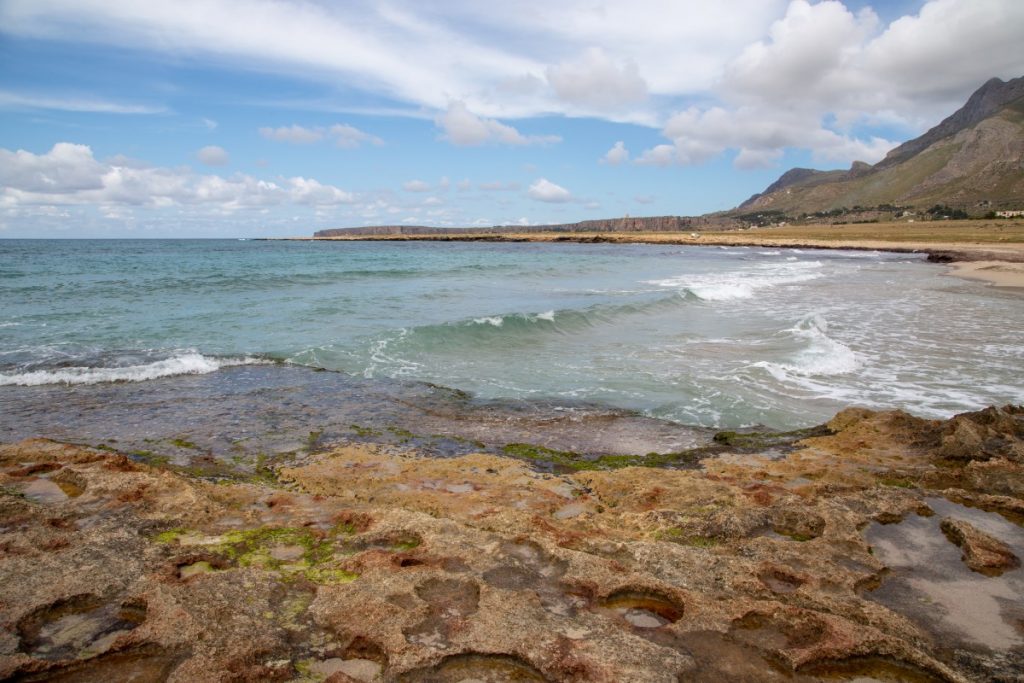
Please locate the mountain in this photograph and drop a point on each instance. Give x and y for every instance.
(973, 160)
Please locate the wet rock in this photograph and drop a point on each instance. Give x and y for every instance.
(982, 552)
(372, 563)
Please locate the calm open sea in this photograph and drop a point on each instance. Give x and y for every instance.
(694, 335)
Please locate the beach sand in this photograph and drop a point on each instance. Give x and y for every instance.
(998, 273)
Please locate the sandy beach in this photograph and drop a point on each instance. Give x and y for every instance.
(998, 273)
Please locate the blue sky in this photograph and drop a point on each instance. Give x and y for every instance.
(258, 118)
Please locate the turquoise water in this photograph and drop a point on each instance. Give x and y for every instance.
(696, 335)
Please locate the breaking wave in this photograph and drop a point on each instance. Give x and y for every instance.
(189, 363)
(744, 284)
(821, 355)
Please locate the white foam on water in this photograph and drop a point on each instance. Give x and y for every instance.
(822, 354)
(546, 315)
(190, 363)
(495, 320)
(744, 284)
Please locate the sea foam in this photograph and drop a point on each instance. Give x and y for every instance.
(744, 284)
(822, 355)
(190, 363)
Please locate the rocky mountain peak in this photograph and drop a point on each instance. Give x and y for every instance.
(994, 95)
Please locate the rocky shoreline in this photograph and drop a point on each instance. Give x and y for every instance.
(838, 560)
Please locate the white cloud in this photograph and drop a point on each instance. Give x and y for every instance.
(65, 169)
(344, 135)
(464, 185)
(479, 68)
(617, 155)
(823, 70)
(659, 155)
(213, 155)
(349, 137)
(464, 128)
(757, 158)
(698, 135)
(68, 174)
(546, 191)
(209, 123)
(595, 80)
(416, 186)
(295, 134)
(13, 100)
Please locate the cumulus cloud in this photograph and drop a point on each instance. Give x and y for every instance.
(760, 139)
(213, 155)
(464, 128)
(595, 80)
(350, 137)
(617, 155)
(65, 169)
(824, 72)
(69, 174)
(416, 186)
(546, 191)
(659, 155)
(343, 135)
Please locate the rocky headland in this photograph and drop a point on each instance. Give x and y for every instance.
(880, 547)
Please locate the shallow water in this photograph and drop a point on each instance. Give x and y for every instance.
(698, 336)
(931, 585)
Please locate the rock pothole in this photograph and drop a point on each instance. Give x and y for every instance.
(643, 609)
(477, 668)
(449, 603)
(78, 627)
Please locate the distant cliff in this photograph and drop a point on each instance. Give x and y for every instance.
(627, 224)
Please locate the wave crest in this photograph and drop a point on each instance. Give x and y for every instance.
(191, 363)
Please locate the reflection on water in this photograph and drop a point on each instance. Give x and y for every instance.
(932, 586)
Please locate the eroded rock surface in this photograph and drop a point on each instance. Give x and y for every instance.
(370, 564)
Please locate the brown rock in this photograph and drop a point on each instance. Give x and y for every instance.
(982, 552)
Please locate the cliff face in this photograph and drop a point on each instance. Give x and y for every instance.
(627, 224)
(974, 158)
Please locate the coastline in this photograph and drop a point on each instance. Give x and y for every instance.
(327, 527)
(995, 248)
(997, 273)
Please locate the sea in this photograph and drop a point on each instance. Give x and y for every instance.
(245, 346)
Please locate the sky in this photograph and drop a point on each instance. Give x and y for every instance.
(269, 118)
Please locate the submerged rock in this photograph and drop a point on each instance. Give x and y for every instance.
(982, 552)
